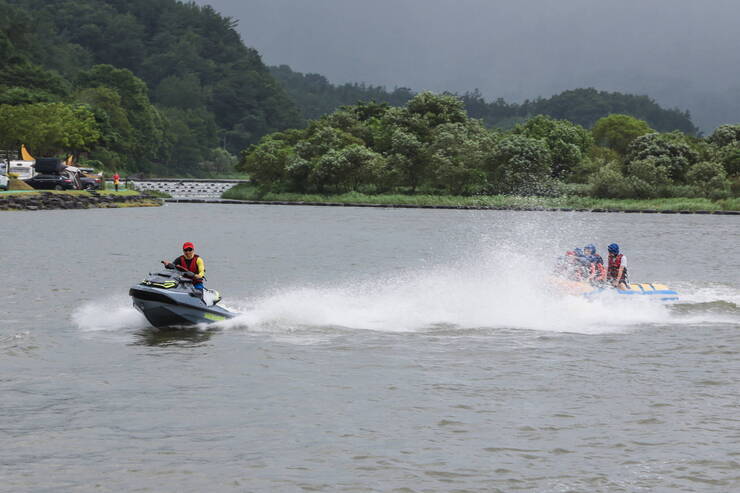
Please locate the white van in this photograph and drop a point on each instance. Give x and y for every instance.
(24, 169)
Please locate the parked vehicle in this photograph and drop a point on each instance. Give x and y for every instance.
(89, 183)
(55, 175)
(3, 181)
(24, 169)
(91, 179)
(53, 182)
(50, 166)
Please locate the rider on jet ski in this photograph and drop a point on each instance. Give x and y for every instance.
(191, 263)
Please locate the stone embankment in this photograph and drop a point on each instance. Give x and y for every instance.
(49, 200)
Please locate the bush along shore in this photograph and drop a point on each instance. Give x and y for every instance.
(33, 201)
(251, 194)
(431, 147)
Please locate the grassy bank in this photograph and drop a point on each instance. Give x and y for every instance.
(249, 192)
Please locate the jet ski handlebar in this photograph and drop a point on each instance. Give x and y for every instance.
(179, 268)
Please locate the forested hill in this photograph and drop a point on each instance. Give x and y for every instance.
(202, 87)
(169, 88)
(316, 96)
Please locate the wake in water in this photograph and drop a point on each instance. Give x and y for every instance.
(494, 291)
(112, 314)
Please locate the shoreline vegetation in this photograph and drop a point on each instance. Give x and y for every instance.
(432, 146)
(251, 193)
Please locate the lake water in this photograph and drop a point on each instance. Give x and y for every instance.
(377, 350)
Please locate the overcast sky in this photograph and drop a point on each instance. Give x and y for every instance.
(681, 52)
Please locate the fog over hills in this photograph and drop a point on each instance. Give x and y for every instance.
(682, 53)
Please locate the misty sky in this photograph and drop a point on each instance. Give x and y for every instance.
(682, 53)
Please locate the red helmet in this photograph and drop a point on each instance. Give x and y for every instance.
(188, 244)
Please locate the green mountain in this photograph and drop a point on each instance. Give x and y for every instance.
(179, 69)
(316, 96)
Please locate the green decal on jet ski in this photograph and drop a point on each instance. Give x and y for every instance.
(215, 318)
(165, 285)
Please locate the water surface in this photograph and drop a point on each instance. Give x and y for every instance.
(378, 350)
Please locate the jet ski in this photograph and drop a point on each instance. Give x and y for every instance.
(167, 299)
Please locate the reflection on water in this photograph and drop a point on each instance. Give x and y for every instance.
(172, 337)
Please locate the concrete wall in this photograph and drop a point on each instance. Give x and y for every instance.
(205, 189)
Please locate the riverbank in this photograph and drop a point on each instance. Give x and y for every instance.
(249, 194)
(45, 200)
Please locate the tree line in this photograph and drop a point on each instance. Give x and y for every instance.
(432, 145)
(316, 96)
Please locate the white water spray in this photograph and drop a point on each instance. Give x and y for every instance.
(495, 292)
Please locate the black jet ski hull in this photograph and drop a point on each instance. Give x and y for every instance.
(165, 309)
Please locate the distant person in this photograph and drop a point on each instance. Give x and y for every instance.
(597, 272)
(191, 263)
(116, 180)
(616, 272)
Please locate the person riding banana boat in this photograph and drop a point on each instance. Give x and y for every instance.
(582, 272)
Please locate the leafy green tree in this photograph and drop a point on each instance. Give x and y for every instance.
(647, 177)
(320, 139)
(147, 126)
(617, 132)
(725, 135)
(347, 168)
(112, 119)
(48, 128)
(670, 151)
(709, 179)
(219, 162)
(522, 166)
(726, 142)
(730, 158)
(184, 92)
(408, 159)
(436, 109)
(459, 155)
(609, 183)
(568, 143)
(189, 137)
(267, 161)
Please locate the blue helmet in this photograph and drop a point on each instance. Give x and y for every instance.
(591, 247)
(614, 248)
(578, 252)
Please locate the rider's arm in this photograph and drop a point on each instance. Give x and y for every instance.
(622, 266)
(201, 268)
(170, 265)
